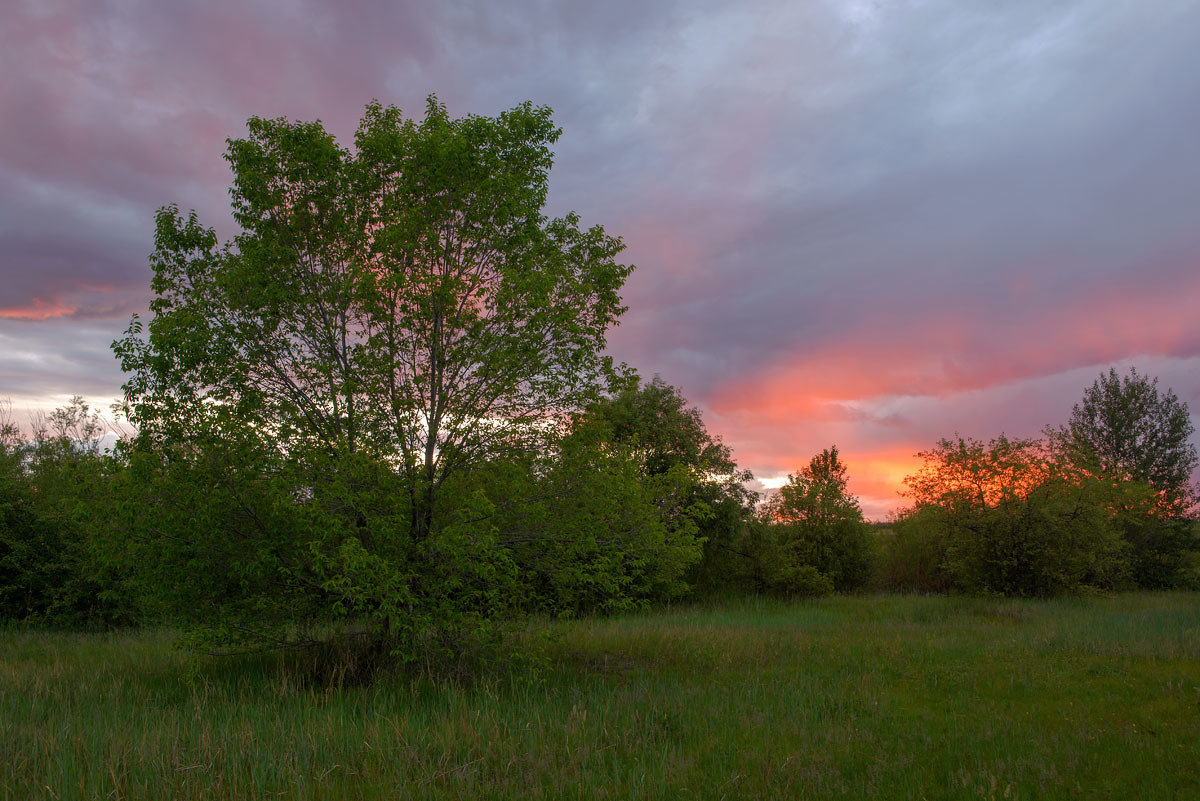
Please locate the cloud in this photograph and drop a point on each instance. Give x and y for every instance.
(38, 309)
(854, 222)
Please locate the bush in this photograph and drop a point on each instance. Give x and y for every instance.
(733, 560)
(913, 558)
(1004, 518)
(802, 581)
(56, 525)
(591, 532)
(840, 551)
(1163, 553)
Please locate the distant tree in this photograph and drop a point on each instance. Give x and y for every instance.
(317, 399)
(1137, 439)
(699, 484)
(817, 495)
(10, 432)
(1125, 429)
(820, 525)
(1004, 517)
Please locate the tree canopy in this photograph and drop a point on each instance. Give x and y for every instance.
(817, 494)
(408, 300)
(698, 484)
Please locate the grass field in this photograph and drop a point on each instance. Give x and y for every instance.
(874, 697)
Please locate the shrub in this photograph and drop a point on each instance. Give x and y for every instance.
(1163, 552)
(802, 581)
(913, 558)
(1004, 518)
(56, 524)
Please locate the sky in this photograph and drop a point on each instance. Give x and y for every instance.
(862, 224)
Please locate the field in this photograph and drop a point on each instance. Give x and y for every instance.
(872, 697)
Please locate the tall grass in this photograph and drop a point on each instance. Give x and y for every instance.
(874, 697)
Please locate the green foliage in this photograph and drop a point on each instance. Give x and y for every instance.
(1164, 553)
(329, 405)
(912, 558)
(1127, 434)
(1005, 518)
(593, 533)
(56, 524)
(823, 541)
(738, 552)
(663, 433)
(693, 479)
(23, 541)
(794, 578)
(1125, 430)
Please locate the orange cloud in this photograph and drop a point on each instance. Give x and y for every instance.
(38, 310)
(967, 350)
(876, 476)
(880, 474)
(887, 388)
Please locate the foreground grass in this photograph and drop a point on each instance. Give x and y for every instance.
(884, 697)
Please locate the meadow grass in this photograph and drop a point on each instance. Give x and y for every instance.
(860, 697)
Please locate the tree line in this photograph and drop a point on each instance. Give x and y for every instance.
(382, 415)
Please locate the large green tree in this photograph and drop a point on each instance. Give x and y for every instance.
(316, 398)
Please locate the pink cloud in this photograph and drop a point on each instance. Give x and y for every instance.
(976, 348)
(38, 309)
(980, 370)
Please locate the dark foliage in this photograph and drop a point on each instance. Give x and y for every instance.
(56, 525)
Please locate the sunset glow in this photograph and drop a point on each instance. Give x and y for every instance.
(37, 309)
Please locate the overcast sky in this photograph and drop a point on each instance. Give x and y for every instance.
(868, 224)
